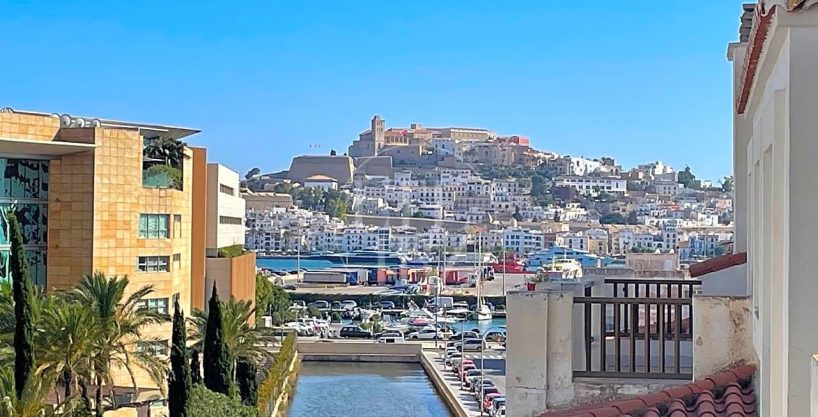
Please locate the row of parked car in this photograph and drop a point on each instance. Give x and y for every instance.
(344, 305)
(485, 392)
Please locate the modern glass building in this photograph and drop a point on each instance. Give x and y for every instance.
(24, 185)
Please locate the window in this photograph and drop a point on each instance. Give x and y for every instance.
(177, 261)
(230, 220)
(153, 226)
(177, 225)
(226, 190)
(155, 348)
(160, 305)
(153, 264)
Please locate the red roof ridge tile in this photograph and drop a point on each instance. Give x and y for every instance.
(725, 394)
(717, 264)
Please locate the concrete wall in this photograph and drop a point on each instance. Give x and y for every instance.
(360, 352)
(776, 134)
(266, 200)
(234, 277)
(339, 167)
(722, 335)
(729, 281)
(813, 393)
(527, 353)
(220, 204)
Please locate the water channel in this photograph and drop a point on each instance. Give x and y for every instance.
(342, 389)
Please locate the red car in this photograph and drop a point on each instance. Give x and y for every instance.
(465, 368)
(456, 366)
(487, 400)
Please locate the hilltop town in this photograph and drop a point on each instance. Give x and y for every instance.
(430, 189)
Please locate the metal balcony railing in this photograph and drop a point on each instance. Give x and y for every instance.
(644, 330)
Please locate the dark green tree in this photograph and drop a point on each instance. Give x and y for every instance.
(728, 184)
(195, 368)
(686, 178)
(179, 381)
(632, 218)
(517, 215)
(217, 367)
(247, 382)
(23, 319)
(252, 173)
(613, 218)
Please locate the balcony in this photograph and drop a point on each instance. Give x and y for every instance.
(646, 329)
(162, 163)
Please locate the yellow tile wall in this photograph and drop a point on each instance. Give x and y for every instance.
(95, 199)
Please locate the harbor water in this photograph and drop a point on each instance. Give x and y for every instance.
(343, 389)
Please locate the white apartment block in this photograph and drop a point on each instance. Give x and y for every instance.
(567, 165)
(593, 185)
(404, 179)
(225, 209)
(455, 176)
(523, 241)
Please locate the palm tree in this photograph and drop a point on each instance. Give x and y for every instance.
(65, 342)
(30, 403)
(169, 150)
(243, 340)
(119, 325)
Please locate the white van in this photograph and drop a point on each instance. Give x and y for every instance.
(390, 339)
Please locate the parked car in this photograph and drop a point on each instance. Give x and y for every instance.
(495, 336)
(336, 306)
(463, 368)
(300, 328)
(298, 305)
(501, 412)
(465, 335)
(469, 375)
(389, 333)
(390, 339)
(478, 381)
(429, 334)
(496, 404)
(386, 305)
(471, 345)
(354, 332)
(457, 363)
(320, 304)
(487, 400)
(486, 391)
(448, 359)
(348, 305)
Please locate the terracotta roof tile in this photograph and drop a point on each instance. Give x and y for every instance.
(727, 394)
(717, 264)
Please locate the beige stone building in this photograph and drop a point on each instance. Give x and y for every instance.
(90, 199)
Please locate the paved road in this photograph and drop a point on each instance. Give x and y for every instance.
(495, 370)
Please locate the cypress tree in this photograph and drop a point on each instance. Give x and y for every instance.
(195, 368)
(21, 287)
(179, 381)
(246, 380)
(217, 367)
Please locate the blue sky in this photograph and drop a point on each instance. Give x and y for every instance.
(269, 80)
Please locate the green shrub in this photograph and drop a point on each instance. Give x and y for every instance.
(278, 373)
(162, 176)
(231, 251)
(206, 403)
